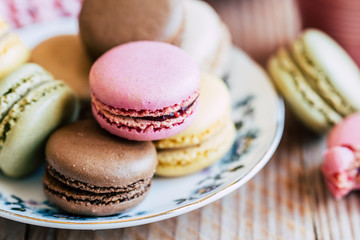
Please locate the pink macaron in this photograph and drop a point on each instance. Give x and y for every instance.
(342, 158)
(144, 90)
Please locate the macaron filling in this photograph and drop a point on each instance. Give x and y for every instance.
(20, 89)
(320, 81)
(287, 64)
(79, 192)
(146, 120)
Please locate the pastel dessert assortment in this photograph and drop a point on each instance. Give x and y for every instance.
(318, 80)
(32, 106)
(191, 24)
(142, 83)
(95, 173)
(145, 90)
(341, 166)
(148, 71)
(13, 51)
(206, 140)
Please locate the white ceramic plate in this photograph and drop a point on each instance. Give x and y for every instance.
(259, 115)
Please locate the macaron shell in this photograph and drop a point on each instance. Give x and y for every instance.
(215, 105)
(346, 133)
(14, 53)
(302, 99)
(205, 37)
(85, 208)
(65, 57)
(144, 76)
(23, 149)
(23, 72)
(93, 156)
(133, 134)
(183, 161)
(104, 25)
(326, 58)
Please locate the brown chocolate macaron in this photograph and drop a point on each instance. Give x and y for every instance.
(106, 24)
(93, 173)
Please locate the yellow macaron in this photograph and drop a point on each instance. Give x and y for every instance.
(206, 140)
(13, 51)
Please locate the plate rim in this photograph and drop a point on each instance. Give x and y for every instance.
(122, 223)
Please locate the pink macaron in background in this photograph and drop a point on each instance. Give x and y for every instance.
(144, 90)
(342, 158)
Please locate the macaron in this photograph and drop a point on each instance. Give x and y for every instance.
(191, 24)
(33, 105)
(65, 57)
(206, 38)
(341, 160)
(145, 90)
(318, 79)
(13, 51)
(106, 24)
(94, 173)
(206, 140)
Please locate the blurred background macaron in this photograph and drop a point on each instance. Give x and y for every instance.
(13, 52)
(33, 105)
(94, 173)
(206, 140)
(206, 38)
(318, 79)
(65, 57)
(191, 24)
(106, 24)
(341, 159)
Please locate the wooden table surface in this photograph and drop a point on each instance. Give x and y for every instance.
(286, 200)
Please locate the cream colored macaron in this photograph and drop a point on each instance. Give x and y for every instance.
(206, 38)
(207, 139)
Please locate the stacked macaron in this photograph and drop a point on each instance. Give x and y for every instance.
(206, 140)
(318, 79)
(144, 90)
(141, 91)
(191, 24)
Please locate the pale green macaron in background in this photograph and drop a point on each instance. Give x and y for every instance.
(318, 79)
(32, 106)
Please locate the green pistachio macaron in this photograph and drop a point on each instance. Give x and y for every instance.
(318, 79)
(33, 105)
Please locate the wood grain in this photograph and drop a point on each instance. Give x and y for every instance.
(286, 200)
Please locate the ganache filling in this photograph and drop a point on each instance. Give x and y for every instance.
(171, 115)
